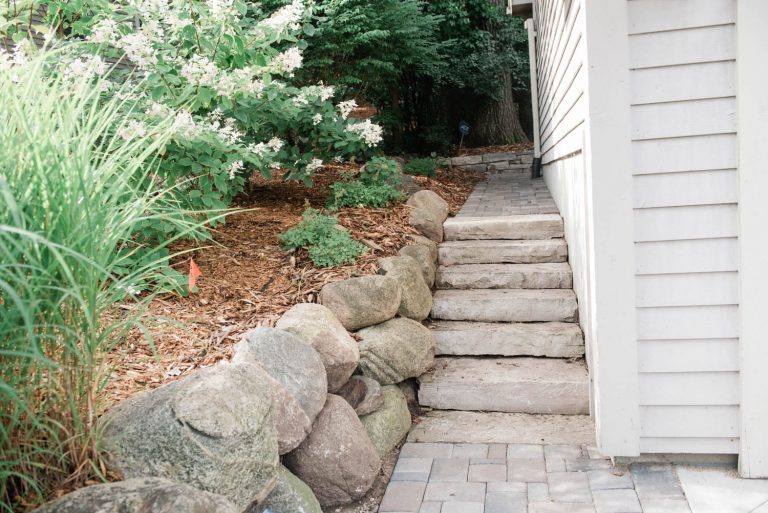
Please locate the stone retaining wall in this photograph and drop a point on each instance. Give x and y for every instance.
(496, 162)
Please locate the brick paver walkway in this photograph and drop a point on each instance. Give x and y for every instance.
(526, 478)
(506, 194)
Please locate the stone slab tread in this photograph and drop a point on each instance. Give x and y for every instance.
(503, 251)
(515, 227)
(505, 305)
(552, 339)
(513, 385)
(505, 276)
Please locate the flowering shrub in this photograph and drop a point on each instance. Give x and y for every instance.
(221, 70)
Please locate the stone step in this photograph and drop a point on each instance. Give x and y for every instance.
(513, 385)
(530, 227)
(503, 251)
(474, 427)
(552, 339)
(505, 305)
(505, 276)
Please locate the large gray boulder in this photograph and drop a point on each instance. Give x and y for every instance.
(424, 241)
(140, 495)
(416, 298)
(424, 256)
(316, 325)
(213, 430)
(363, 394)
(389, 425)
(364, 301)
(337, 460)
(396, 350)
(295, 366)
(432, 202)
(427, 223)
(291, 495)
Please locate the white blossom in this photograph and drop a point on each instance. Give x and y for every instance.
(234, 168)
(259, 149)
(371, 133)
(314, 165)
(276, 144)
(275, 165)
(288, 61)
(220, 10)
(317, 119)
(158, 110)
(227, 132)
(346, 108)
(132, 130)
(285, 17)
(85, 68)
(104, 32)
(139, 49)
(184, 124)
(200, 71)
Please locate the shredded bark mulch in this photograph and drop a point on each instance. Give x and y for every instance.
(249, 281)
(508, 148)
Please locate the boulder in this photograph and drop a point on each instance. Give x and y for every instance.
(316, 325)
(213, 429)
(431, 201)
(363, 394)
(424, 241)
(297, 369)
(408, 185)
(364, 301)
(291, 495)
(423, 255)
(416, 297)
(140, 495)
(389, 425)
(427, 224)
(396, 350)
(337, 460)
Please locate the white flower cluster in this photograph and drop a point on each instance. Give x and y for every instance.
(138, 48)
(285, 17)
(85, 68)
(234, 168)
(371, 133)
(104, 32)
(317, 119)
(200, 71)
(314, 165)
(131, 130)
(220, 10)
(346, 108)
(287, 62)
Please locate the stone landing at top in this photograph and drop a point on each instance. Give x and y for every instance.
(506, 194)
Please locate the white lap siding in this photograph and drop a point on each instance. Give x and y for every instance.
(684, 144)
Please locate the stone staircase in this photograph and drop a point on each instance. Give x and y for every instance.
(506, 320)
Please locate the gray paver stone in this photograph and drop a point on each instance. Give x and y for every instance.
(466, 492)
(462, 507)
(453, 470)
(505, 502)
(412, 469)
(616, 501)
(569, 487)
(560, 507)
(562, 451)
(538, 492)
(497, 451)
(609, 479)
(555, 464)
(526, 470)
(499, 486)
(426, 450)
(656, 481)
(402, 497)
(586, 464)
(431, 507)
(470, 451)
(525, 451)
(665, 506)
(487, 473)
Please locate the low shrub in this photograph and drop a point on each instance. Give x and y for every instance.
(328, 244)
(375, 187)
(421, 167)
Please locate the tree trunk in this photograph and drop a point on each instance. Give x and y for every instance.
(498, 121)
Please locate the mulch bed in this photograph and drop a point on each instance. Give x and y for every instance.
(249, 281)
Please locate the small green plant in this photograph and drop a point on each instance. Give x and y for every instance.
(376, 187)
(421, 167)
(328, 244)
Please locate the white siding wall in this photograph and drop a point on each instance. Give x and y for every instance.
(561, 75)
(684, 151)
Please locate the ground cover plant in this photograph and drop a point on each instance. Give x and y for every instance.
(421, 167)
(375, 186)
(327, 242)
(74, 193)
